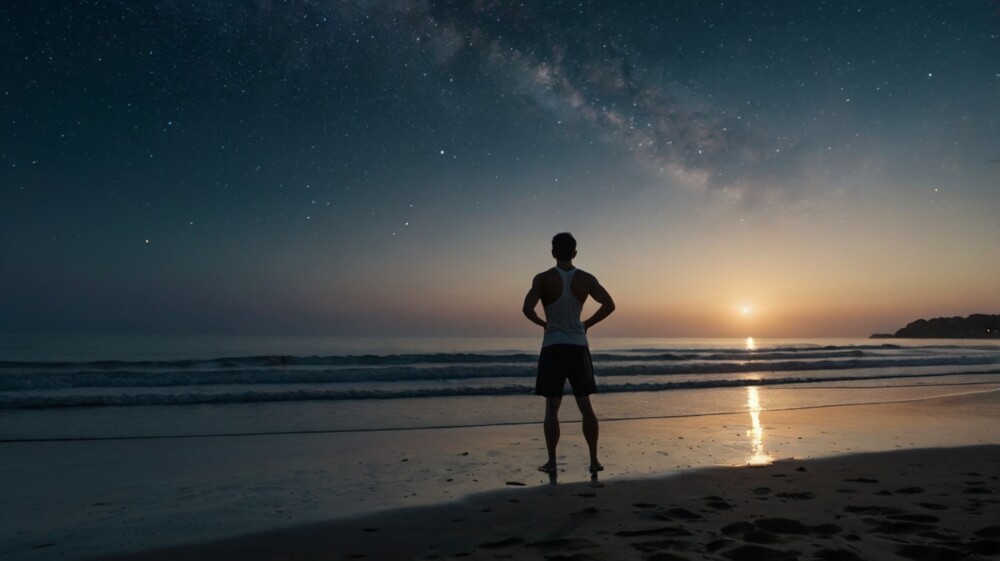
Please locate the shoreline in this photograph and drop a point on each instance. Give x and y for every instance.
(572, 416)
(108, 497)
(931, 503)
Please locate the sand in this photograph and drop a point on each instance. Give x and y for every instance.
(907, 501)
(916, 504)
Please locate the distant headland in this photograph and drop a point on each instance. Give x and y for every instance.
(976, 326)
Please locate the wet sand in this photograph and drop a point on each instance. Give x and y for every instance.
(931, 493)
(912, 504)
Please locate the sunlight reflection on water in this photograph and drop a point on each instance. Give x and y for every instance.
(759, 456)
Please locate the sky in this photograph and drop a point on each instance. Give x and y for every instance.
(398, 167)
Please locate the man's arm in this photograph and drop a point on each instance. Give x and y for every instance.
(602, 297)
(531, 300)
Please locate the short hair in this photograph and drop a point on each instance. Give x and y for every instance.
(563, 246)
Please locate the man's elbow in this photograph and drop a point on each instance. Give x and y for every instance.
(610, 306)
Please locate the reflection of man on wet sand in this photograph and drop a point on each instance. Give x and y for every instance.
(565, 354)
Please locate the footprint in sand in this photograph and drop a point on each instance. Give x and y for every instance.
(664, 556)
(937, 553)
(663, 531)
(574, 557)
(671, 514)
(761, 537)
(716, 545)
(566, 545)
(895, 521)
(988, 532)
(786, 526)
(717, 503)
(768, 529)
(984, 547)
(828, 554)
(759, 553)
(896, 528)
(737, 528)
(803, 496)
(660, 546)
(782, 526)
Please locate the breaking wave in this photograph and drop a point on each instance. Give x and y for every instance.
(27, 384)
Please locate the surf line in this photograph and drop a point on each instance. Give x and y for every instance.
(468, 426)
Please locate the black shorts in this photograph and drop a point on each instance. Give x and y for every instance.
(558, 363)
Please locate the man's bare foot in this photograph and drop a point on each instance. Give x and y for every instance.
(548, 468)
(596, 467)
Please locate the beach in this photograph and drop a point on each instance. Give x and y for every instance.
(474, 491)
(304, 279)
(911, 504)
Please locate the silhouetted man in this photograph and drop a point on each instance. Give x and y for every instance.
(565, 353)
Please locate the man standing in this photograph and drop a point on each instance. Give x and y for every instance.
(565, 353)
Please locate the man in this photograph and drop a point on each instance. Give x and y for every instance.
(565, 353)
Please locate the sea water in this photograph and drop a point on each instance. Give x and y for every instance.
(101, 387)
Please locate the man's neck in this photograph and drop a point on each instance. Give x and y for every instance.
(564, 265)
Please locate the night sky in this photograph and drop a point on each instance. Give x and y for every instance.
(398, 167)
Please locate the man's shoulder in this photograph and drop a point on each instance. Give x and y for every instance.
(547, 273)
(580, 273)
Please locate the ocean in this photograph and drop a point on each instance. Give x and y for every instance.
(122, 387)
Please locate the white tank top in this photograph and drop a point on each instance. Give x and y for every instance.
(562, 317)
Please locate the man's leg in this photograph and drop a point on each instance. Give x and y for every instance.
(590, 430)
(551, 431)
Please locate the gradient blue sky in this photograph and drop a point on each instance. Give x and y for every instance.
(399, 167)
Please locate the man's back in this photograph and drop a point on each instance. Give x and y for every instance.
(550, 285)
